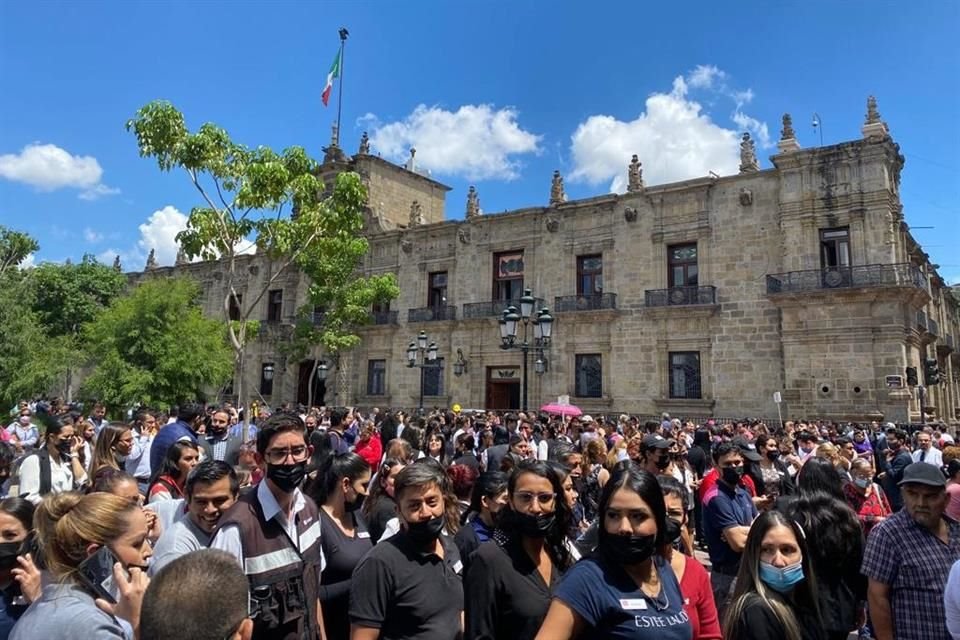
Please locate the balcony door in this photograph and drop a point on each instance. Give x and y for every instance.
(835, 257)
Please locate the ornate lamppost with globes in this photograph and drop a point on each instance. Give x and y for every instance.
(428, 360)
(542, 333)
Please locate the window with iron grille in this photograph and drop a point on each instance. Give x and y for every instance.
(376, 377)
(685, 374)
(433, 379)
(588, 372)
(682, 265)
(589, 275)
(508, 275)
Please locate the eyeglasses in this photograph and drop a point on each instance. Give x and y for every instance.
(527, 497)
(278, 456)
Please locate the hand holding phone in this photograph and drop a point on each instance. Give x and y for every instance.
(96, 572)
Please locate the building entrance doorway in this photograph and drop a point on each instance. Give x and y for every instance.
(303, 385)
(503, 388)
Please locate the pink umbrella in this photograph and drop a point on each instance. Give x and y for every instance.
(561, 409)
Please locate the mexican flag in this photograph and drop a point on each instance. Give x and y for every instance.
(333, 73)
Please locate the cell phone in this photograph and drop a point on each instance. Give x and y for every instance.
(96, 572)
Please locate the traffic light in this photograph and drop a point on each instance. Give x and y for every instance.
(931, 372)
(912, 379)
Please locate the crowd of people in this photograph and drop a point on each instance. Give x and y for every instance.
(362, 525)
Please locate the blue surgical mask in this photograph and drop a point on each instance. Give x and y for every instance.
(781, 580)
(863, 483)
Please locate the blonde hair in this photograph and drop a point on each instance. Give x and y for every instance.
(68, 522)
(103, 454)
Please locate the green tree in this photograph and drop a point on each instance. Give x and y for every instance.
(14, 247)
(69, 296)
(251, 194)
(154, 345)
(31, 363)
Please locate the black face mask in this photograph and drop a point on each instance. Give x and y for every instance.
(287, 477)
(672, 531)
(627, 549)
(528, 524)
(64, 447)
(732, 475)
(8, 554)
(773, 455)
(662, 462)
(350, 507)
(425, 531)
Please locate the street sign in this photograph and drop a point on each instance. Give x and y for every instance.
(894, 382)
(777, 397)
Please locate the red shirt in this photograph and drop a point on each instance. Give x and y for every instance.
(710, 481)
(698, 601)
(871, 509)
(371, 450)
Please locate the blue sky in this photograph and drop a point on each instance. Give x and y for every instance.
(497, 94)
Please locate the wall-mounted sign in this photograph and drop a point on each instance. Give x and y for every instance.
(895, 382)
(505, 374)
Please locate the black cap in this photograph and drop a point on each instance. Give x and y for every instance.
(747, 449)
(653, 441)
(923, 473)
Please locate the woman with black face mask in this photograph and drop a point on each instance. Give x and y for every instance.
(19, 576)
(512, 577)
(625, 589)
(339, 488)
(693, 578)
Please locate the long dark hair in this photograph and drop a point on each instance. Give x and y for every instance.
(750, 588)
(626, 475)
(834, 534)
(378, 489)
(555, 540)
(170, 466)
(334, 469)
(818, 474)
(489, 485)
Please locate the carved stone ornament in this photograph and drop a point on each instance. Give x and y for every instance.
(746, 197)
(416, 214)
(635, 175)
(473, 203)
(364, 149)
(787, 132)
(748, 155)
(463, 233)
(874, 128)
(630, 214)
(873, 115)
(116, 264)
(181, 258)
(151, 260)
(553, 223)
(406, 245)
(557, 194)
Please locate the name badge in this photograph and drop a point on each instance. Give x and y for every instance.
(363, 534)
(632, 604)
(457, 567)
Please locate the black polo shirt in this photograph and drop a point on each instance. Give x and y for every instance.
(408, 593)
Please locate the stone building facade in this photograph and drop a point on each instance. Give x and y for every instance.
(698, 298)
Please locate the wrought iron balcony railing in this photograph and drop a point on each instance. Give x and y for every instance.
(432, 314)
(592, 302)
(383, 317)
(680, 296)
(494, 308)
(871, 275)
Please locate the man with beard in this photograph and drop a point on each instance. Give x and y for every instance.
(908, 558)
(223, 446)
(409, 586)
(274, 533)
(211, 489)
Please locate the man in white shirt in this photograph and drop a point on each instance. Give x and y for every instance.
(926, 452)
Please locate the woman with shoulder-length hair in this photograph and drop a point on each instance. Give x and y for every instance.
(171, 478)
(114, 444)
(625, 589)
(776, 592)
(511, 578)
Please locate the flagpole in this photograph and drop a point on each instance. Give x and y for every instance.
(343, 38)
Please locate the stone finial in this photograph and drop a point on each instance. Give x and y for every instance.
(748, 155)
(364, 149)
(151, 260)
(788, 137)
(334, 133)
(473, 203)
(182, 258)
(412, 161)
(634, 175)
(873, 127)
(557, 194)
(116, 264)
(416, 215)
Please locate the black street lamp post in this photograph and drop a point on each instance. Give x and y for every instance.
(428, 359)
(542, 333)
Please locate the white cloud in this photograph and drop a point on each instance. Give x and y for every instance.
(476, 141)
(91, 236)
(48, 167)
(674, 137)
(29, 262)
